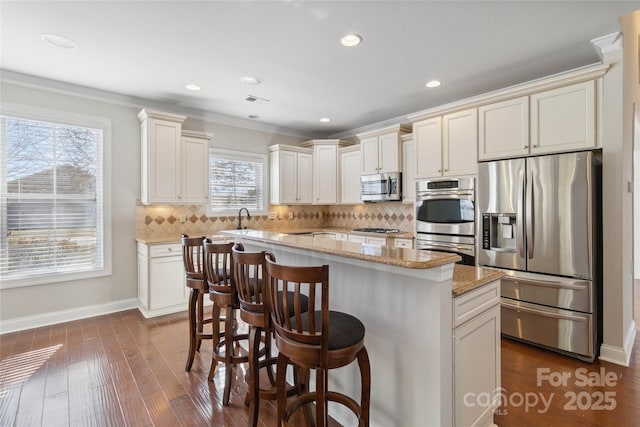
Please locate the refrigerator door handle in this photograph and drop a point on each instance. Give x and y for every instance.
(519, 213)
(530, 217)
(542, 312)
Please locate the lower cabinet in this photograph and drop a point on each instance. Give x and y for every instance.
(161, 282)
(476, 356)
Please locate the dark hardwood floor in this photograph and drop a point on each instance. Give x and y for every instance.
(124, 370)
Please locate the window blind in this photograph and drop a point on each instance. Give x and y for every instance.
(51, 198)
(236, 181)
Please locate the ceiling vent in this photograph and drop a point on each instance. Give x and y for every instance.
(256, 99)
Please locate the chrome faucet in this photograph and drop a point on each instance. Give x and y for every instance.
(240, 217)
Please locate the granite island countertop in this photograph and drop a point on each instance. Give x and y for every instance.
(398, 257)
(466, 278)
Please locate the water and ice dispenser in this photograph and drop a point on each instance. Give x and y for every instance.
(499, 232)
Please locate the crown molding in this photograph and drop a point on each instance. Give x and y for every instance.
(607, 44)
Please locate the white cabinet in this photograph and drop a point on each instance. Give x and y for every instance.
(344, 237)
(350, 175)
(459, 143)
(161, 282)
(370, 240)
(356, 238)
(408, 169)
(326, 173)
(291, 170)
(446, 146)
(476, 355)
(174, 162)
(402, 243)
(552, 121)
(381, 150)
(564, 119)
(195, 167)
(504, 129)
(427, 141)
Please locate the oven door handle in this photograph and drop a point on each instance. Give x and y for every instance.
(445, 246)
(448, 194)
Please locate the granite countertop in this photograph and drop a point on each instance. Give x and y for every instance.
(175, 238)
(467, 278)
(398, 257)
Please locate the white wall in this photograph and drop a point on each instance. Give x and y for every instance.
(42, 304)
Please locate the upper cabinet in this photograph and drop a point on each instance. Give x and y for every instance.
(446, 146)
(408, 169)
(291, 175)
(381, 150)
(174, 167)
(350, 175)
(326, 169)
(504, 129)
(551, 121)
(195, 167)
(564, 119)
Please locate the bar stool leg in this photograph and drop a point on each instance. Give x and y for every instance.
(193, 298)
(253, 393)
(200, 323)
(228, 354)
(216, 310)
(365, 384)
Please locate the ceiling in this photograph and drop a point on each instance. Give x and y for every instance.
(151, 49)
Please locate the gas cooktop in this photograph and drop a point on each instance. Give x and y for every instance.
(377, 230)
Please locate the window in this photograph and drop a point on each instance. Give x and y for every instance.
(237, 180)
(52, 198)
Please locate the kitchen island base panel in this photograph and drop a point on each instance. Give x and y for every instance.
(407, 314)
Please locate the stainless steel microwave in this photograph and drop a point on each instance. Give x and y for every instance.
(381, 187)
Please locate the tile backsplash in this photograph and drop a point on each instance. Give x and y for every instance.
(152, 221)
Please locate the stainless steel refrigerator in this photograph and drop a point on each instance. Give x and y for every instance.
(539, 220)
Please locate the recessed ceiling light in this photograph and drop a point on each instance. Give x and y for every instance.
(351, 40)
(433, 83)
(58, 41)
(253, 116)
(251, 80)
(193, 87)
(325, 120)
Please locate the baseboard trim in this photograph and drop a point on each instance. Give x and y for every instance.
(46, 319)
(617, 355)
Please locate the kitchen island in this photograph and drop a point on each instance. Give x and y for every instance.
(405, 298)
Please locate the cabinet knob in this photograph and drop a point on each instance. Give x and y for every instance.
(526, 146)
(446, 170)
(534, 146)
(439, 170)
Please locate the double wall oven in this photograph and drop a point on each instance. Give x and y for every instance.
(445, 216)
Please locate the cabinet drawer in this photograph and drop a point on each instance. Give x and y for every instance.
(469, 305)
(380, 241)
(403, 243)
(173, 249)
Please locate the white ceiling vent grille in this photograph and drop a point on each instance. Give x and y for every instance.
(256, 99)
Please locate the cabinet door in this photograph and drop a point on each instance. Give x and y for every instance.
(504, 129)
(427, 137)
(288, 177)
(357, 238)
(166, 282)
(325, 174)
(408, 172)
(164, 161)
(195, 170)
(350, 177)
(305, 177)
(459, 143)
(380, 241)
(476, 367)
(389, 153)
(369, 155)
(563, 119)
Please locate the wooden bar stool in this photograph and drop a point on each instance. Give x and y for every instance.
(192, 258)
(218, 273)
(320, 340)
(249, 271)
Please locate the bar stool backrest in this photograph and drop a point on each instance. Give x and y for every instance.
(192, 256)
(218, 270)
(307, 328)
